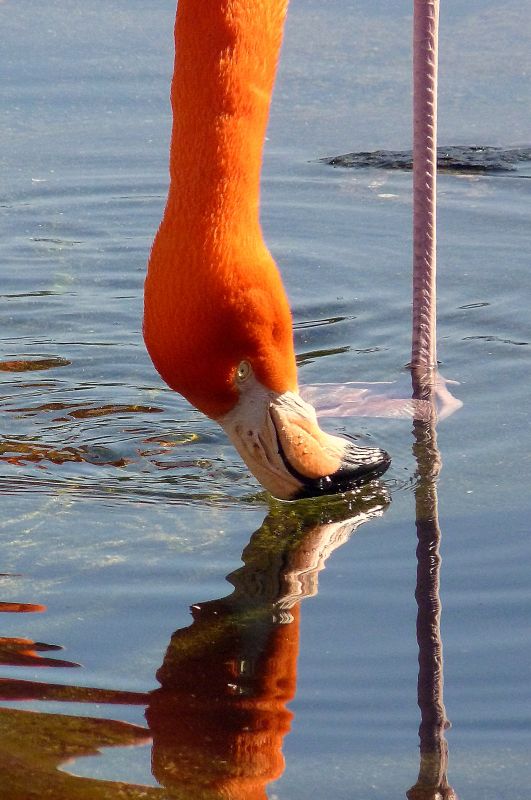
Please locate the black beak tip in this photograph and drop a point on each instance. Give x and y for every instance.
(360, 465)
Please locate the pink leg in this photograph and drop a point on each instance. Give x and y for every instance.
(431, 397)
(425, 35)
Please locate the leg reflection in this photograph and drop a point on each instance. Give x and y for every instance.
(432, 782)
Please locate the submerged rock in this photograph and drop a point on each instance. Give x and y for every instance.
(454, 158)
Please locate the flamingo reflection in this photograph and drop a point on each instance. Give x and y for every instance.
(219, 716)
(220, 713)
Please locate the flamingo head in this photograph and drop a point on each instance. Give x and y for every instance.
(278, 436)
(225, 342)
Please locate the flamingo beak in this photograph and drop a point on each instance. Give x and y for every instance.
(279, 438)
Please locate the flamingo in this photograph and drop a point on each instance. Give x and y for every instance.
(217, 322)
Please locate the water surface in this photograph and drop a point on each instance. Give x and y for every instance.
(122, 506)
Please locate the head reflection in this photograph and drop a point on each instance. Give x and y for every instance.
(219, 716)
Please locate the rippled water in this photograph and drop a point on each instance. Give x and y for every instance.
(122, 506)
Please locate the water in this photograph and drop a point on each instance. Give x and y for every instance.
(122, 506)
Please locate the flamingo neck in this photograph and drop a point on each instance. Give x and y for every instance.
(213, 294)
(225, 65)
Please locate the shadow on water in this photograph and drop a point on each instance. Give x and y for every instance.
(218, 719)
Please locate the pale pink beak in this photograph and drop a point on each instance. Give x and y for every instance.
(279, 438)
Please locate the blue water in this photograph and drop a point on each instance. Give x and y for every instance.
(122, 506)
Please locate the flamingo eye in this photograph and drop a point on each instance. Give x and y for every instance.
(243, 371)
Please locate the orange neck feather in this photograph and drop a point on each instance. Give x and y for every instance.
(213, 293)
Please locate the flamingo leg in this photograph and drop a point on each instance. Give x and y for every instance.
(425, 48)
